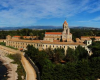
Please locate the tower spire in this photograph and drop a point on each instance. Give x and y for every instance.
(65, 22)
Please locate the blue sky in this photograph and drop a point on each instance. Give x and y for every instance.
(15, 13)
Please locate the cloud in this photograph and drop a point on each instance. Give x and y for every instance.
(94, 20)
(84, 21)
(27, 12)
(94, 6)
(97, 18)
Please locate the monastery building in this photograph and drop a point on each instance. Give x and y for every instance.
(51, 40)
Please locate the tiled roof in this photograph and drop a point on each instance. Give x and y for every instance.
(87, 36)
(64, 43)
(65, 22)
(47, 42)
(52, 36)
(97, 37)
(24, 36)
(69, 40)
(17, 36)
(84, 36)
(78, 39)
(20, 40)
(57, 33)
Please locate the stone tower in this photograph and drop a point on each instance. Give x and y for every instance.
(66, 31)
(8, 37)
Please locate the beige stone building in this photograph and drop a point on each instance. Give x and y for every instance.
(57, 36)
(88, 39)
(24, 37)
(97, 38)
(41, 44)
(51, 40)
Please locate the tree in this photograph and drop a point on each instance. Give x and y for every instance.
(70, 71)
(81, 53)
(58, 54)
(31, 34)
(70, 55)
(95, 47)
(95, 67)
(58, 72)
(31, 52)
(21, 37)
(83, 70)
(61, 40)
(48, 71)
(50, 53)
(41, 58)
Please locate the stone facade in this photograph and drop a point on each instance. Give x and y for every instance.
(64, 36)
(97, 38)
(42, 45)
(51, 40)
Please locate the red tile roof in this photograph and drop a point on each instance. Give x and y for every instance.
(65, 22)
(52, 36)
(84, 36)
(87, 36)
(97, 37)
(48, 42)
(58, 33)
(17, 36)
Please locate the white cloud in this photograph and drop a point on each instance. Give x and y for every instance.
(27, 12)
(84, 21)
(97, 19)
(94, 20)
(95, 6)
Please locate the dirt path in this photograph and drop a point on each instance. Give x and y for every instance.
(31, 74)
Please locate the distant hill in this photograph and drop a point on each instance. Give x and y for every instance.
(31, 27)
(46, 27)
(89, 28)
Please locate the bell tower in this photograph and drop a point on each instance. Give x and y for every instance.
(66, 31)
(65, 27)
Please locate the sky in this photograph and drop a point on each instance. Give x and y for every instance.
(17, 13)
